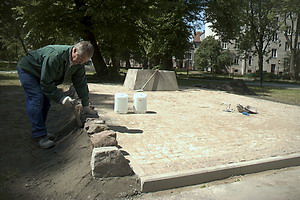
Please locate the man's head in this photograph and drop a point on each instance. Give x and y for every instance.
(82, 52)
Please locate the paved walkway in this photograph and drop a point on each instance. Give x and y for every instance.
(188, 130)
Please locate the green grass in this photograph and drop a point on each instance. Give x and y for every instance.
(283, 95)
(278, 94)
(192, 82)
(9, 79)
(7, 66)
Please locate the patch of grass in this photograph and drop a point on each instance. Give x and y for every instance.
(7, 66)
(192, 82)
(283, 95)
(202, 75)
(9, 79)
(93, 78)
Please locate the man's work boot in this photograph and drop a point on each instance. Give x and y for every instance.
(44, 142)
(52, 136)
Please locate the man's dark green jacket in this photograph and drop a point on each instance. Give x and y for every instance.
(51, 65)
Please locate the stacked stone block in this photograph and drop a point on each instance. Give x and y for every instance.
(107, 160)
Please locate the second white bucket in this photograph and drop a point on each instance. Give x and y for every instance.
(139, 103)
(121, 103)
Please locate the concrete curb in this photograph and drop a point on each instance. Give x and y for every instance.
(192, 177)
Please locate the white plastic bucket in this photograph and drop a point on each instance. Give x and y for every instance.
(139, 103)
(121, 103)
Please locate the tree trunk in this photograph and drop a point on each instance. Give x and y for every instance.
(98, 61)
(261, 67)
(293, 64)
(115, 62)
(127, 63)
(297, 65)
(22, 43)
(145, 63)
(294, 71)
(167, 63)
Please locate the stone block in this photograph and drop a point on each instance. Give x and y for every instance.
(104, 139)
(109, 162)
(93, 126)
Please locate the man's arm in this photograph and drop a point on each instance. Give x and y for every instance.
(80, 84)
(48, 75)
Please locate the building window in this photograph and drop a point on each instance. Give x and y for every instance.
(287, 47)
(237, 44)
(224, 45)
(250, 60)
(273, 66)
(274, 53)
(188, 56)
(288, 30)
(275, 37)
(236, 61)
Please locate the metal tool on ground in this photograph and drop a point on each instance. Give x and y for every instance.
(142, 88)
(248, 109)
(228, 107)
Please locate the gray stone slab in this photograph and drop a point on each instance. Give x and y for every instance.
(192, 177)
(151, 80)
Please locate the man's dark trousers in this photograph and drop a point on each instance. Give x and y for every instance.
(37, 104)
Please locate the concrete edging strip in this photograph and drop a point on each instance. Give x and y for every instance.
(193, 177)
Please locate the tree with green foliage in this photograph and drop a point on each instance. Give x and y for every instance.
(12, 35)
(206, 56)
(148, 31)
(225, 61)
(252, 22)
(290, 25)
(167, 31)
(210, 55)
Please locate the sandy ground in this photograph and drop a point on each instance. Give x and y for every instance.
(64, 172)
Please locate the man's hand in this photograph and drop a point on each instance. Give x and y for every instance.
(89, 111)
(68, 102)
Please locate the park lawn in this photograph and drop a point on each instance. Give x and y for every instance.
(283, 95)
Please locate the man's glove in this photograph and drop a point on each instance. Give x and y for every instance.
(89, 111)
(68, 102)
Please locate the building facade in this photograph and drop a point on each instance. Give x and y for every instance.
(275, 62)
